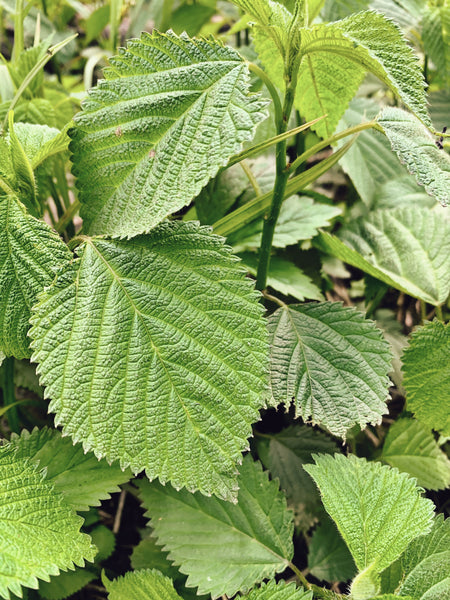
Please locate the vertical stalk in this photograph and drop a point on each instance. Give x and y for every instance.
(18, 29)
(282, 175)
(166, 14)
(9, 394)
(114, 21)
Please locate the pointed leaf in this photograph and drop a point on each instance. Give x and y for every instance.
(279, 591)
(378, 510)
(65, 584)
(427, 372)
(416, 148)
(81, 478)
(407, 248)
(146, 584)
(411, 447)
(30, 254)
(154, 353)
(34, 513)
(331, 362)
(170, 112)
(224, 548)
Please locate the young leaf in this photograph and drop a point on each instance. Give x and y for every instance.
(407, 248)
(284, 455)
(105, 540)
(170, 112)
(377, 510)
(154, 352)
(224, 548)
(146, 584)
(427, 371)
(411, 448)
(65, 584)
(328, 556)
(416, 148)
(279, 591)
(34, 513)
(81, 478)
(30, 254)
(331, 362)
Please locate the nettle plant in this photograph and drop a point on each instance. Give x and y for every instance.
(154, 347)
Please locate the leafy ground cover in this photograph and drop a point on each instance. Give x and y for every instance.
(224, 299)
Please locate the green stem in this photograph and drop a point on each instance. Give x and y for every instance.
(9, 394)
(331, 140)
(115, 12)
(439, 313)
(273, 93)
(166, 14)
(67, 217)
(423, 311)
(282, 176)
(251, 177)
(305, 583)
(18, 29)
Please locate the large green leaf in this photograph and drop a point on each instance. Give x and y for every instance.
(169, 113)
(331, 362)
(417, 149)
(427, 375)
(284, 455)
(154, 352)
(145, 584)
(30, 254)
(411, 448)
(336, 56)
(328, 557)
(407, 248)
(378, 510)
(223, 547)
(81, 478)
(39, 532)
(436, 37)
(279, 591)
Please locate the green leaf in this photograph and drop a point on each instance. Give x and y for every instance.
(406, 248)
(65, 584)
(219, 195)
(80, 477)
(279, 591)
(366, 41)
(285, 277)
(24, 180)
(34, 513)
(377, 510)
(148, 555)
(416, 148)
(426, 564)
(300, 218)
(328, 556)
(105, 540)
(129, 159)
(427, 372)
(223, 547)
(156, 355)
(2, 357)
(436, 37)
(284, 455)
(141, 585)
(331, 362)
(30, 254)
(439, 103)
(411, 447)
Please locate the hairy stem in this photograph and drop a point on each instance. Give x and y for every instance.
(274, 95)
(67, 217)
(18, 29)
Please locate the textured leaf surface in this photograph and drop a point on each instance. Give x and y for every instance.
(329, 558)
(80, 477)
(279, 591)
(65, 584)
(378, 510)
(223, 547)
(34, 513)
(170, 112)
(426, 368)
(426, 564)
(416, 148)
(366, 41)
(148, 555)
(411, 447)
(154, 352)
(407, 248)
(141, 585)
(30, 254)
(331, 362)
(284, 455)
(300, 218)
